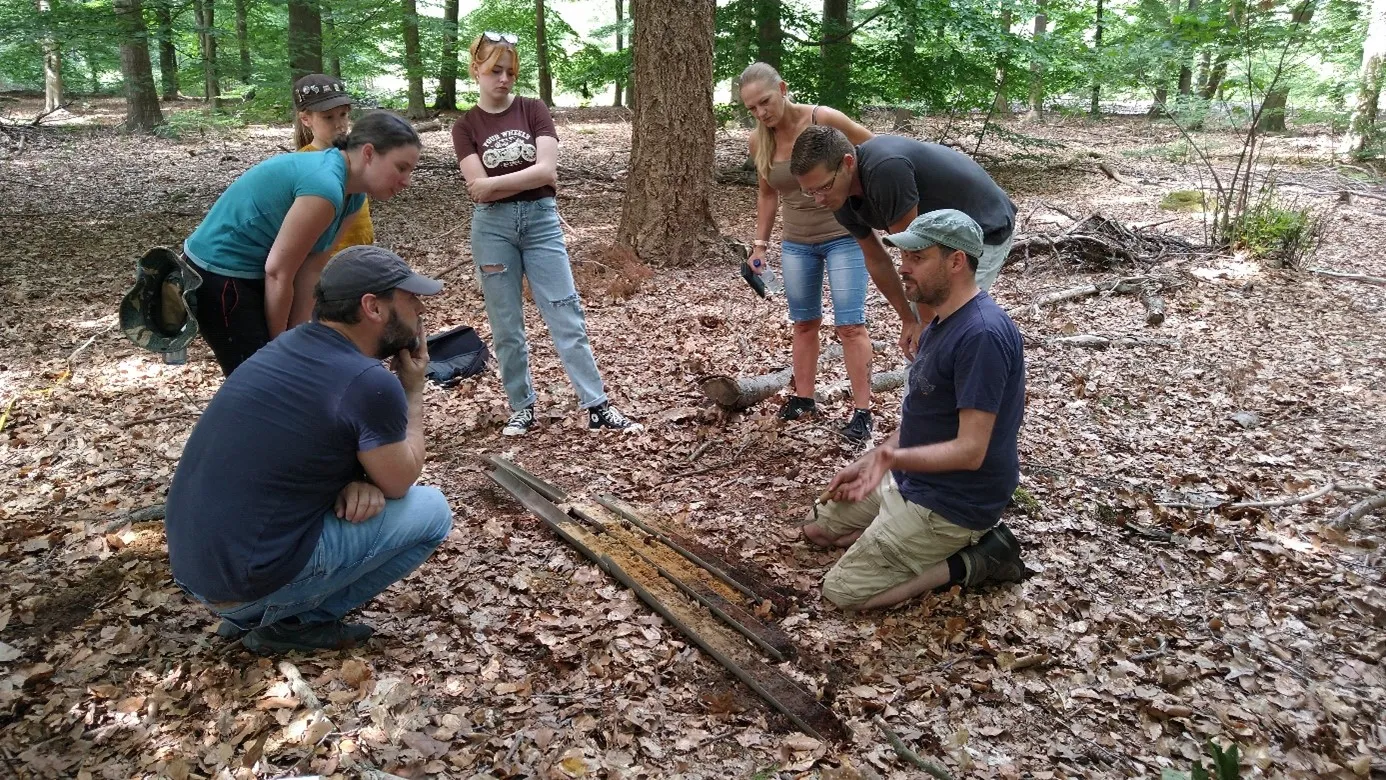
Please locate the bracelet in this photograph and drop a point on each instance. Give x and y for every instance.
(759, 242)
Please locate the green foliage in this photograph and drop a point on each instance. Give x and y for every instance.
(1183, 200)
(191, 123)
(1274, 230)
(1226, 765)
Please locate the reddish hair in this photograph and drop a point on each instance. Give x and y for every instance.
(487, 54)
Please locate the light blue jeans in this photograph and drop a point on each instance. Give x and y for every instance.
(803, 266)
(354, 562)
(512, 242)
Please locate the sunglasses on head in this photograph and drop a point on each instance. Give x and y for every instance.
(495, 37)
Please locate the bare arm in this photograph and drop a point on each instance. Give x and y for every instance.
(964, 453)
(543, 173)
(308, 217)
(394, 468)
(885, 277)
(827, 115)
(767, 207)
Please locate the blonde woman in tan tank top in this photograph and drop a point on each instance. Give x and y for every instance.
(813, 244)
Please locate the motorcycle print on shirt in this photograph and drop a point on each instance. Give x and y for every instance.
(508, 149)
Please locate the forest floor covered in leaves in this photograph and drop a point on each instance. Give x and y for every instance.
(1163, 614)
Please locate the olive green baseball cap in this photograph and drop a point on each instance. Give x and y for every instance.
(945, 227)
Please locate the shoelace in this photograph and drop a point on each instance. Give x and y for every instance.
(522, 417)
(613, 416)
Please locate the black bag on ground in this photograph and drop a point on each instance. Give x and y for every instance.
(454, 355)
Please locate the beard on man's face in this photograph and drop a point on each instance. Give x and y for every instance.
(396, 336)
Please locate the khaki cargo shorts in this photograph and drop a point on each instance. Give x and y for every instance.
(901, 541)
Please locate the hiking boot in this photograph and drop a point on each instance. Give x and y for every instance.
(858, 430)
(608, 416)
(797, 406)
(520, 422)
(285, 636)
(994, 558)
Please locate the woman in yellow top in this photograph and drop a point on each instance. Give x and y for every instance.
(323, 117)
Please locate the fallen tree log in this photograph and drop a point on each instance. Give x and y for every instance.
(732, 393)
(888, 380)
(1145, 287)
(1377, 280)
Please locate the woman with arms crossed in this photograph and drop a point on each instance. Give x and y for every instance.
(264, 242)
(813, 243)
(507, 149)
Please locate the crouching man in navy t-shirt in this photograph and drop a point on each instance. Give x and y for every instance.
(294, 501)
(923, 509)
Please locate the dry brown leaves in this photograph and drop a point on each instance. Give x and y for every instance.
(506, 655)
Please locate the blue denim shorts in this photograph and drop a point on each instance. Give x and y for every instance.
(803, 266)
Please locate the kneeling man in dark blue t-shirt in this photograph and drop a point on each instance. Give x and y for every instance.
(922, 510)
(294, 501)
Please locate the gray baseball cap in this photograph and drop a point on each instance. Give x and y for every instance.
(945, 227)
(367, 268)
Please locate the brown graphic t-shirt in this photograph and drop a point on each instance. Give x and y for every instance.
(505, 141)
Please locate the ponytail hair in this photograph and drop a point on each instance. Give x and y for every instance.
(762, 73)
(302, 134)
(384, 130)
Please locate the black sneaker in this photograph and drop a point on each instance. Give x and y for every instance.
(858, 430)
(283, 637)
(228, 630)
(994, 558)
(607, 416)
(520, 422)
(798, 406)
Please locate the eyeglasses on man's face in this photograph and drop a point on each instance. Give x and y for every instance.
(814, 192)
(495, 37)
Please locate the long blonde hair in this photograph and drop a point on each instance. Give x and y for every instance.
(762, 73)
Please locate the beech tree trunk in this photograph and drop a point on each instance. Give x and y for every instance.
(541, 44)
(168, 55)
(305, 38)
(1002, 105)
(837, 55)
(447, 69)
(1096, 108)
(1037, 69)
(141, 101)
(1362, 128)
(413, 68)
(769, 33)
(666, 215)
(205, 12)
(1186, 72)
(243, 40)
(620, 46)
(1273, 109)
(332, 51)
(52, 61)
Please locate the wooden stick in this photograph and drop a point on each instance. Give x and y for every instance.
(1359, 510)
(146, 515)
(1377, 280)
(903, 751)
(1290, 501)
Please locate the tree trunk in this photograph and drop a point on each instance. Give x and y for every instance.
(413, 69)
(837, 55)
(305, 38)
(52, 61)
(541, 45)
(332, 50)
(168, 55)
(205, 12)
(1185, 72)
(1096, 108)
(620, 45)
(447, 70)
(1037, 69)
(769, 33)
(1273, 109)
(1362, 128)
(141, 101)
(243, 40)
(666, 216)
(1157, 108)
(1002, 105)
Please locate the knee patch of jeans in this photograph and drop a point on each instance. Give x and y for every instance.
(572, 301)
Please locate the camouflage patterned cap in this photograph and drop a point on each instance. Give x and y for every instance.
(158, 313)
(945, 227)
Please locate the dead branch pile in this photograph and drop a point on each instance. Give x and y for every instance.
(1096, 243)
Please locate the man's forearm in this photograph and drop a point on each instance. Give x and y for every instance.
(414, 433)
(951, 455)
(886, 279)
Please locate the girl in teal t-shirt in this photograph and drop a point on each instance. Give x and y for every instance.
(263, 244)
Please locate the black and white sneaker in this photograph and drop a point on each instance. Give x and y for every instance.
(609, 417)
(520, 422)
(795, 407)
(858, 430)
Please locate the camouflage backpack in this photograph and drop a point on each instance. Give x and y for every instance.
(158, 313)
